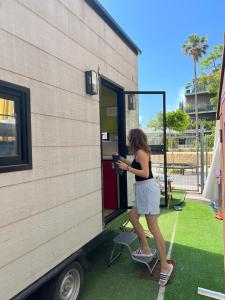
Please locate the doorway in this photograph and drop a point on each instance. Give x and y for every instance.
(113, 139)
(118, 190)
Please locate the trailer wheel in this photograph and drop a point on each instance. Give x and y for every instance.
(67, 285)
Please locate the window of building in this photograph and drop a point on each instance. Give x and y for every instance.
(15, 128)
(181, 141)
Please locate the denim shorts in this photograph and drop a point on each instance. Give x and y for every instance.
(147, 197)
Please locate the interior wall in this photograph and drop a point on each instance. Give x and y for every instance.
(108, 104)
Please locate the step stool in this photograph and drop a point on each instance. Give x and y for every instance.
(126, 239)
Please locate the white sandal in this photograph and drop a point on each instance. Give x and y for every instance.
(164, 277)
(140, 253)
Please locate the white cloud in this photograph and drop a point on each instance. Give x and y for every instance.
(180, 97)
(141, 118)
(141, 121)
(181, 94)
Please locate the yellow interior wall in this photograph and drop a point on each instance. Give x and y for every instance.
(6, 108)
(108, 100)
(6, 113)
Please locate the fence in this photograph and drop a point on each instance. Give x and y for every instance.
(182, 167)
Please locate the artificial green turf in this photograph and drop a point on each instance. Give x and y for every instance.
(177, 197)
(122, 280)
(198, 251)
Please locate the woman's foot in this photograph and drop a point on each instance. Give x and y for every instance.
(165, 267)
(219, 215)
(142, 253)
(165, 275)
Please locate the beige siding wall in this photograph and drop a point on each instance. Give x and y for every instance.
(49, 212)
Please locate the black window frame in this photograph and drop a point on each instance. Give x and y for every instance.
(21, 97)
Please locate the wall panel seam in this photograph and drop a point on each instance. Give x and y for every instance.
(51, 208)
(46, 83)
(77, 17)
(66, 146)
(90, 217)
(60, 59)
(50, 177)
(65, 118)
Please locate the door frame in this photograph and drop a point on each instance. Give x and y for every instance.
(122, 149)
(163, 148)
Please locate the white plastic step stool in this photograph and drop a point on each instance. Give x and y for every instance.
(126, 238)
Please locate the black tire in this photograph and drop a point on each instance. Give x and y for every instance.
(67, 285)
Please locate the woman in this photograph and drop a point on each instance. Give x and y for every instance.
(147, 200)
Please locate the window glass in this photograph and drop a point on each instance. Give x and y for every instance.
(8, 136)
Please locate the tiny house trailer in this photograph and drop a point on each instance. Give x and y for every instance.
(57, 188)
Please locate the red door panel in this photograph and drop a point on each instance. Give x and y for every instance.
(110, 186)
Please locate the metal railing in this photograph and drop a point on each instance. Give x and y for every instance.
(201, 109)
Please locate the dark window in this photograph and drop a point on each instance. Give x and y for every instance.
(181, 141)
(15, 128)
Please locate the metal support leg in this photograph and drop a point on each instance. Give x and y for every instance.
(114, 256)
(125, 239)
(150, 262)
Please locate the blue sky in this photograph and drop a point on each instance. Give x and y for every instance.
(159, 28)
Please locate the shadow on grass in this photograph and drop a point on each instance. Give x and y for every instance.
(119, 281)
(194, 268)
(178, 199)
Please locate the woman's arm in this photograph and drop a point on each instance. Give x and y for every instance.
(143, 158)
(126, 161)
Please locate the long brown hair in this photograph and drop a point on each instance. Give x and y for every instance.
(138, 140)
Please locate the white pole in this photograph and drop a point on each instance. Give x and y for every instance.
(211, 294)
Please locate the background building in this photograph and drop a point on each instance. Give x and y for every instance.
(206, 111)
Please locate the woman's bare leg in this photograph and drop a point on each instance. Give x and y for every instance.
(133, 216)
(160, 243)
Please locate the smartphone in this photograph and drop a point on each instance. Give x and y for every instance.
(115, 159)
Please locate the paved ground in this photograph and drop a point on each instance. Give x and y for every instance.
(196, 196)
(185, 182)
(180, 181)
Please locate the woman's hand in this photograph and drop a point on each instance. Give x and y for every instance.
(122, 165)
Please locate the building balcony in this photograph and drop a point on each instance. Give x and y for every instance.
(200, 89)
(205, 109)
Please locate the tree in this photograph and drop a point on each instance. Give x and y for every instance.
(176, 120)
(157, 122)
(207, 124)
(212, 64)
(195, 46)
(213, 60)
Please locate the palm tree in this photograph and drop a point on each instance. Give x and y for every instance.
(195, 46)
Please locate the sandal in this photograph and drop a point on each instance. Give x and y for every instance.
(164, 277)
(219, 215)
(140, 253)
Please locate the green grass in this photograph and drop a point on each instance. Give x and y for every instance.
(177, 197)
(122, 280)
(197, 249)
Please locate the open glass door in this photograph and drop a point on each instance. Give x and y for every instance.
(150, 106)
